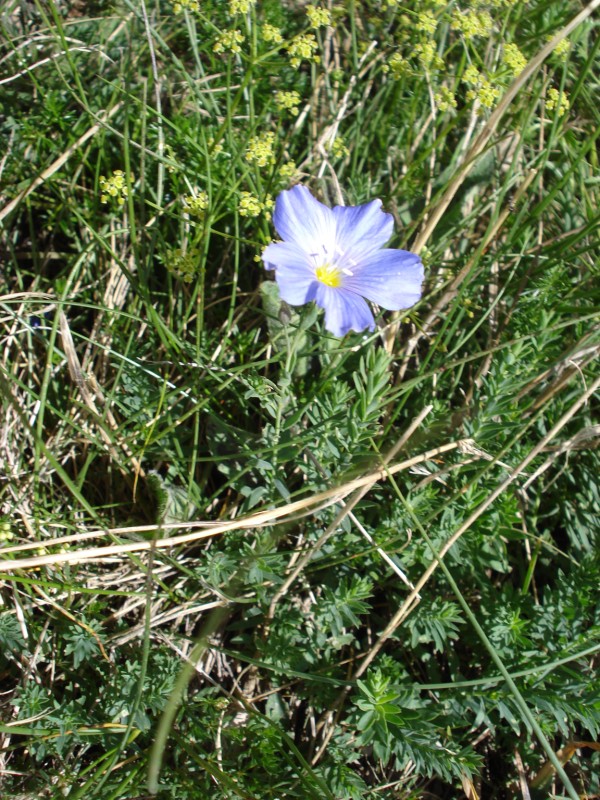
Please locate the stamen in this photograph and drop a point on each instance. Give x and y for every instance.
(343, 256)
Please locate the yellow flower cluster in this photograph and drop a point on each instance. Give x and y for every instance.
(5, 532)
(562, 48)
(115, 186)
(240, 6)
(397, 65)
(196, 204)
(514, 58)
(271, 34)
(260, 149)
(426, 256)
(428, 56)
(303, 47)
(318, 16)
(445, 99)
(557, 100)
(287, 171)
(482, 88)
(471, 75)
(426, 22)
(338, 148)
(229, 41)
(251, 206)
(485, 93)
(288, 101)
(188, 5)
(215, 149)
(472, 23)
(184, 265)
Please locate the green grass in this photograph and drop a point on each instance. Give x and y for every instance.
(242, 558)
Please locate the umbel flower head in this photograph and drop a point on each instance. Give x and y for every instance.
(336, 257)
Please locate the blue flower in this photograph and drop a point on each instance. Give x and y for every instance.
(336, 257)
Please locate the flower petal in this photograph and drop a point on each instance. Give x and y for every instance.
(344, 311)
(301, 219)
(293, 272)
(361, 230)
(288, 255)
(390, 278)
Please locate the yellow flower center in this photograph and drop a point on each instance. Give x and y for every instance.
(329, 275)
